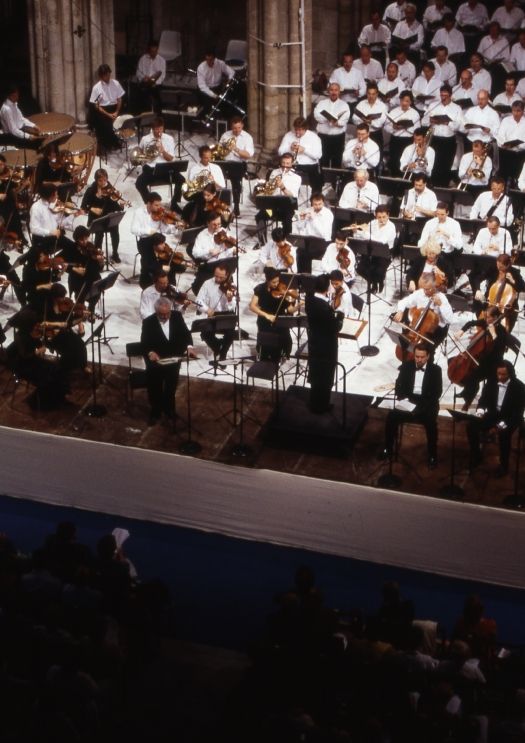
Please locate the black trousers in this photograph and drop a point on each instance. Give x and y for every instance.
(321, 373)
(476, 427)
(445, 148)
(148, 176)
(333, 147)
(219, 343)
(314, 174)
(162, 385)
(428, 419)
(104, 129)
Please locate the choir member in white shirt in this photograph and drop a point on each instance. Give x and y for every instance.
(517, 53)
(510, 17)
(371, 111)
(241, 151)
(307, 149)
(391, 86)
(217, 295)
(360, 193)
(349, 79)
(481, 121)
(419, 156)
(512, 129)
(22, 131)
(400, 125)
(394, 13)
(380, 230)
(407, 70)
(332, 116)
(492, 239)
(362, 151)
(339, 257)
(339, 295)
(445, 70)
(494, 203)
(165, 145)
(369, 67)
(211, 73)
(151, 71)
(375, 34)
(426, 88)
(449, 37)
(408, 28)
(208, 249)
(472, 15)
(419, 201)
(481, 78)
(434, 14)
(444, 134)
(279, 253)
(494, 47)
(106, 100)
(503, 101)
(475, 161)
(465, 94)
(444, 231)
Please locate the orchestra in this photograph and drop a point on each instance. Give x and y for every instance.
(429, 150)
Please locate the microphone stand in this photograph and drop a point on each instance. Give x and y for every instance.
(369, 350)
(453, 491)
(189, 446)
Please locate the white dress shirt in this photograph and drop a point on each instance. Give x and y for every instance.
(407, 72)
(291, 181)
(460, 94)
(42, 221)
(243, 142)
(434, 15)
(351, 80)
(445, 72)
(385, 234)
(366, 109)
(467, 163)
(375, 37)
(211, 77)
(409, 156)
(372, 71)
(508, 20)
(195, 169)
(397, 114)
(394, 12)
(269, 253)
(316, 224)
(205, 245)
(211, 297)
(485, 202)
(453, 40)
(367, 197)
(426, 200)
(419, 299)
(404, 31)
(386, 86)
(484, 117)
(487, 244)
(509, 130)
(313, 148)
(167, 142)
(339, 109)
(447, 234)
(330, 263)
(517, 56)
(494, 49)
(106, 94)
(521, 179)
(12, 120)
(369, 159)
(482, 79)
(345, 302)
(422, 86)
(148, 67)
(142, 224)
(476, 16)
(453, 111)
(148, 298)
(502, 99)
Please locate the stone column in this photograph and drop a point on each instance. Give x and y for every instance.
(69, 41)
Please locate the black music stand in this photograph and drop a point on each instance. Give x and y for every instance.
(275, 203)
(452, 490)
(369, 248)
(393, 187)
(165, 172)
(95, 410)
(219, 323)
(97, 292)
(308, 249)
(343, 215)
(189, 446)
(104, 225)
(337, 178)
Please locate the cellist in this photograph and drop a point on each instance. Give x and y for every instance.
(427, 299)
(500, 286)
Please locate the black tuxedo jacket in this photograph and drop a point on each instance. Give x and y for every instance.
(428, 401)
(153, 338)
(513, 406)
(323, 327)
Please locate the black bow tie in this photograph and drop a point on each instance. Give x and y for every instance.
(421, 368)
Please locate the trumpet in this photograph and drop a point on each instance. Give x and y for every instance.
(359, 154)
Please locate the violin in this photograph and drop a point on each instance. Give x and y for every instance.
(221, 207)
(222, 238)
(73, 309)
(91, 251)
(422, 322)
(343, 258)
(283, 291)
(228, 287)
(338, 297)
(168, 255)
(285, 254)
(166, 217)
(11, 239)
(111, 192)
(67, 208)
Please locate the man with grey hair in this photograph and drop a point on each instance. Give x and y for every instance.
(164, 336)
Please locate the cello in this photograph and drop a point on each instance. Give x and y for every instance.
(423, 322)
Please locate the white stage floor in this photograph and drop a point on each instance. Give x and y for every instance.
(364, 375)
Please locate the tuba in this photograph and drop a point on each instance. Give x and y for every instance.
(220, 151)
(198, 184)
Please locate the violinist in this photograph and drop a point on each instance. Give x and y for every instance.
(500, 286)
(271, 299)
(147, 222)
(427, 298)
(8, 209)
(161, 256)
(47, 222)
(195, 212)
(420, 382)
(52, 169)
(492, 340)
(161, 287)
(432, 262)
(339, 294)
(39, 274)
(64, 328)
(217, 296)
(500, 409)
(381, 229)
(338, 256)
(84, 264)
(279, 253)
(27, 357)
(212, 244)
(98, 201)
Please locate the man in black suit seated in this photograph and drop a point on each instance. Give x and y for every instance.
(324, 325)
(500, 408)
(164, 335)
(420, 382)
